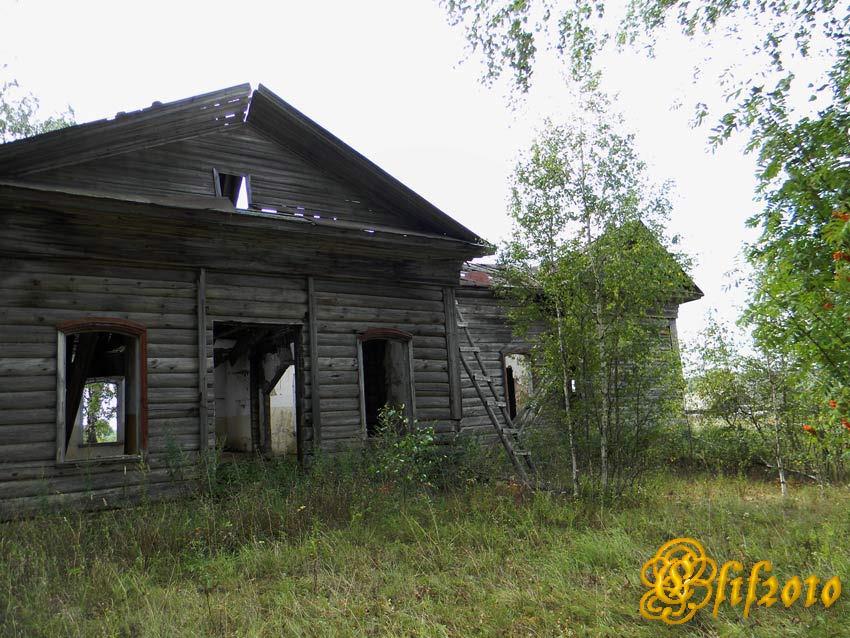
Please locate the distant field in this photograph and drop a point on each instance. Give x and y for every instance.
(279, 555)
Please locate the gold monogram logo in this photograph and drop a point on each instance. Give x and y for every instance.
(679, 577)
(680, 574)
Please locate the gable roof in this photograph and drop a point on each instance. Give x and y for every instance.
(236, 106)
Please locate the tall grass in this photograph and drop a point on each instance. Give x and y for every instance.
(269, 550)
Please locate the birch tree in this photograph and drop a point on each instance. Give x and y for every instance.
(587, 258)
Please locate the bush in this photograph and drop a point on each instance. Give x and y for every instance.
(401, 458)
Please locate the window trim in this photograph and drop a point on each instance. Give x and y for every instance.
(387, 334)
(101, 324)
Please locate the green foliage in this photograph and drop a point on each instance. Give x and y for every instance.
(281, 552)
(588, 260)
(19, 115)
(100, 408)
(800, 296)
(511, 35)
(770, 402)
(398, 458)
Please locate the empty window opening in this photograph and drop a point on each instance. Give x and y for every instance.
(386, 379)
(518, 382)
(101, 392)
(235, 187)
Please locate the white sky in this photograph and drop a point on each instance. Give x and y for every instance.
(384, 76)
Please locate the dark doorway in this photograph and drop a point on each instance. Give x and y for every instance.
(386, 379)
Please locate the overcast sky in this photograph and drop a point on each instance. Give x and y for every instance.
(385, 76)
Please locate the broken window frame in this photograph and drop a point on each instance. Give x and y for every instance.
(389, 335)
(138, 390)
(232, 195)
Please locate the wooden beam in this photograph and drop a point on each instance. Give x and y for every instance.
(203, 425)
(60, 395)
(246, 343)
(315, 386)
(455, 398)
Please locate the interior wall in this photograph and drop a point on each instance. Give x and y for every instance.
(282, 415)
(233, 405)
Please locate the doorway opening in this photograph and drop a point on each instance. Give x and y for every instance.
(258, 388)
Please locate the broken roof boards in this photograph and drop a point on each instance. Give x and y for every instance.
(295, 167)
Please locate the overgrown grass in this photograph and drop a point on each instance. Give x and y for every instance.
(274, 552)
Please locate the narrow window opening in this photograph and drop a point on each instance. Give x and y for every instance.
(518, 382)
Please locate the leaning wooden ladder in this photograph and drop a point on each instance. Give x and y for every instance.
(504, 426)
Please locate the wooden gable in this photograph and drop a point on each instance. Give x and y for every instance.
(293, 166)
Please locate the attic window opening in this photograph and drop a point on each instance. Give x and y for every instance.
(235, 187)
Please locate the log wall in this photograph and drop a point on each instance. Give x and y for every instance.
(486, 318)
(487, 321)
(280, 179)
(344, 309)
(37, 295)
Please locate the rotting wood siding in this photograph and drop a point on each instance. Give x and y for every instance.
(280, 179)
(68, 226)
(345, 309)
(487, 321)
(58, 279)
(36, 295)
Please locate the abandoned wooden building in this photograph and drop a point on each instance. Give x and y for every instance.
(217, 271)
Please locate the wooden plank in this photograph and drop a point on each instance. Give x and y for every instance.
(382, 289)
(203, 425)
(333, 419)
(330, 378)
(10, 400)
(168, 380)
(51, 317)
(361, 391)
(346, 327)
(315, 380)
(46, 382)
(360, 300)
(98, 303)
(173, 365)
(41, 350)
(26, 367)
(30, 272)
(18, 434)
(45, 452)
(338, 363)
(452, 345)
(383, 315)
